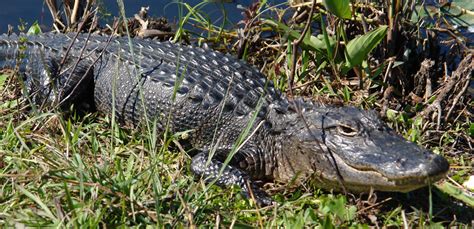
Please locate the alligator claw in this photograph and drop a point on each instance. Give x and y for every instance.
(230, 176)
(261, 198)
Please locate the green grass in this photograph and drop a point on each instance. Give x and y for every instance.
(76, 172)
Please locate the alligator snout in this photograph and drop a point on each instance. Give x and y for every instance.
(419, 170)
(436, 165)
(424, 165)
(406, 161)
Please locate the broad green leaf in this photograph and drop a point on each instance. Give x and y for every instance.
(459, 12)
(359, 48)
(338, 207)
(310, 42)
(340, 8)
(317, 42)
(466, 4)
(391, 114)
(456, 192)
(34, 29)
(329, 51)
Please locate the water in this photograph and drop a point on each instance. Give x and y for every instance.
(14, 12)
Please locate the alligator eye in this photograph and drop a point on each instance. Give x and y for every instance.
(347, 130)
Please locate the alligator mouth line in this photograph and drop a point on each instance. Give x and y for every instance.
(356, 179)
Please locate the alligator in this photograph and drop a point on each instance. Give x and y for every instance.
(239, 128)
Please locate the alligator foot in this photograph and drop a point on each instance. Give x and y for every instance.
(230, 176)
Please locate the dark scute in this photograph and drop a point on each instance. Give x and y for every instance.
(168, 83)
(242, 109)
(182, 90)
(252, 99)
(228, 107)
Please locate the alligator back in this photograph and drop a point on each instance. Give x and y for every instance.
(205, 91)
(176, 86)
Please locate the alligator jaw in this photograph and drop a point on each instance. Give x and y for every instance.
(357, 180)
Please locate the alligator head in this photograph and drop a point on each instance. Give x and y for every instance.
(353, 147)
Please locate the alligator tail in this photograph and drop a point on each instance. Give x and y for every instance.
(50, 79)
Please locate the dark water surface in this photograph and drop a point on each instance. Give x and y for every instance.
(14, 11)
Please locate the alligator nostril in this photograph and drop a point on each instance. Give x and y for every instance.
(438, 165)
(401, 162)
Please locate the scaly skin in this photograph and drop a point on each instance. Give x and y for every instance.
(218, 98)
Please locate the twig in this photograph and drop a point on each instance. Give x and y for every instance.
(464, 70)
(295, 46)
(373, 206)
(461, 93)
(53, 9)
(252, 196)
(405, 223)
(79, 59)
(74, 12)
(390, 63)
(189, 214)
(456, 38)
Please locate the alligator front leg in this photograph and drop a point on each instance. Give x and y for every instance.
(230, 176)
